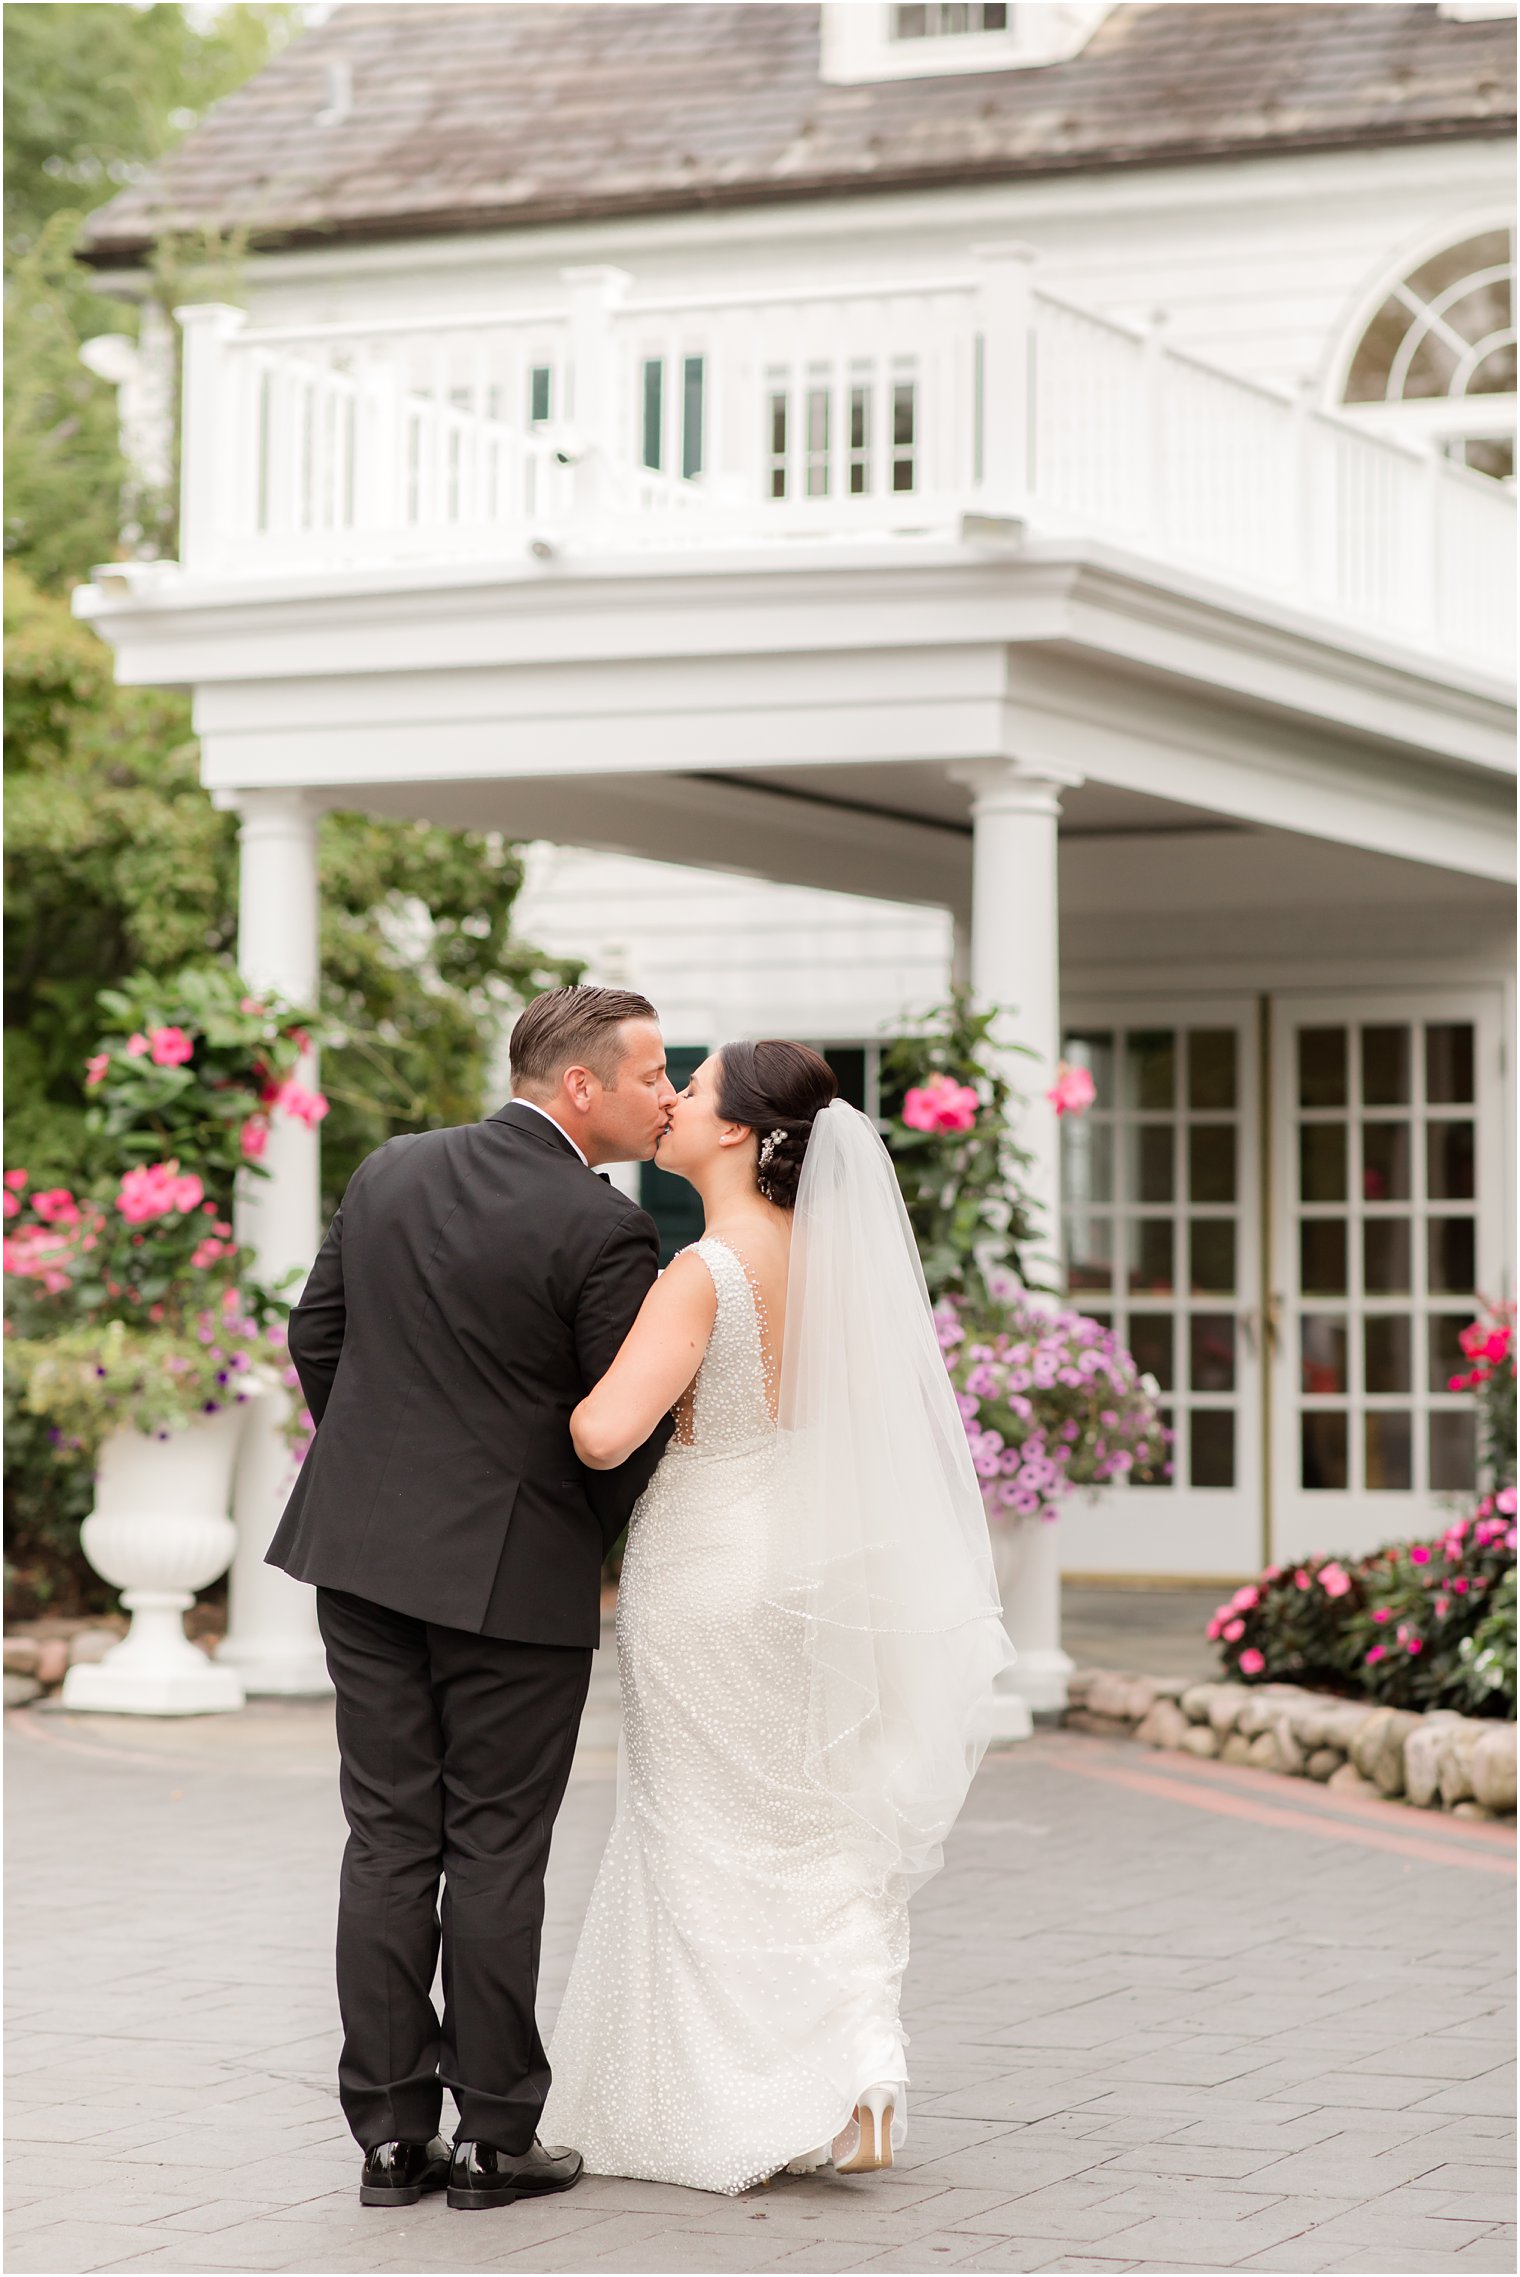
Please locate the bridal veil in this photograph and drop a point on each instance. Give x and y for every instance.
(882, 1549)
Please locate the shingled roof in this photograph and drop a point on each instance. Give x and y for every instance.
(474, 117)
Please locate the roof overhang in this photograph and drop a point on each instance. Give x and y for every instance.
(867, 657)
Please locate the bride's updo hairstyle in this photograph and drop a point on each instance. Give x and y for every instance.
(777, 1089)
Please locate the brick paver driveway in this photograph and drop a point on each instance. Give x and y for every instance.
(1164, 2016)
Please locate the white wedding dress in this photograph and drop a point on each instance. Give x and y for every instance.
(734, 1986)
(808, 1632)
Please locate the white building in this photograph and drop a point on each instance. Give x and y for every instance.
(976, 460)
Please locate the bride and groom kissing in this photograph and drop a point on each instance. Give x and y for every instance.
(808, 1628)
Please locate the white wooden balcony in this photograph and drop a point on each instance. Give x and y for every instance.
(608, 423)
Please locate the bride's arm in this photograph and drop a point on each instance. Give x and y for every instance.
(659, 1356)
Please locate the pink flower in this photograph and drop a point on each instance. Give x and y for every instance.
(1505, 1500)
(16, 1181)
(1334, 1580)
(1460, 1585)
(137, 1045)
(250, 1004)
(11, 1206)
(1233, 1631)
(1252, 1662)
(55, 1205)
(1377, 1652)
(303, 1106)
(1418, 1554)
(255, 1137)
(1443, 1604)
(1382, 1614)
(1244, 1599)
(156, 1189)
(1301, 1579)
(941, 1105)
(1073, 1090)
(170, 1047)
(95, 1069)
(1413, 1644)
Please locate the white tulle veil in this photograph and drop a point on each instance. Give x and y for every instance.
(882, 1550)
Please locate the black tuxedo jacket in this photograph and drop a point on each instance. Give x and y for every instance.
(473, 1287)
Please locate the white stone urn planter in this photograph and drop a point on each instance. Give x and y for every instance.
(158, 1532)
(1026, 1559)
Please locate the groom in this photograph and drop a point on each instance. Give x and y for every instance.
(473, 1287)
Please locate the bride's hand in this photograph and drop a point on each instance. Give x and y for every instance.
(660, 1355)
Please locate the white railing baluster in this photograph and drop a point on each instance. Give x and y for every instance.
(394, 441)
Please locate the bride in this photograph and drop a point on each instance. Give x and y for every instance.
(808, 1634)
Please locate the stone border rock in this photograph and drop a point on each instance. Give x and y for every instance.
(1437, 1761)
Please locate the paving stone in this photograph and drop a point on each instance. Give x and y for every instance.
(1143, 2037)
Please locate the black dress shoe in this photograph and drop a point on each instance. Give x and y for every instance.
(396, 2174)
(481, 2175)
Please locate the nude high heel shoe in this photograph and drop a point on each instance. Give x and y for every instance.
(873, 2120)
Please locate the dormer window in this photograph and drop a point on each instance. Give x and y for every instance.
(862, 40)
(947, 19)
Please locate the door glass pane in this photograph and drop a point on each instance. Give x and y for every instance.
(1385, 1067)
(1450, 1162)
(1447, 1358)
(1150, 1340)
(1322, 1352)
(1453, 1452)
(1323, 1435)
(1322, 1162)
(1385, 1256)
(1212, 1452)
(1151, 1152)
(1449, 1063)
(1388, 1449)
(1387, 1249)
(1087, 1161)
(1211, 1162)
(1211, 1337)
(1094, 1050)
(1386, 1344)
(1322, 1257)
(1322, 1067)
(1211, 1069)
(1151, 1085)
(1385, 1162)
(1089, 1253)
(1453, 1255)
(1151, 1271)
(1213, 1256)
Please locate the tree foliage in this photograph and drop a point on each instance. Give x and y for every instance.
(93, 95)
(117, 862)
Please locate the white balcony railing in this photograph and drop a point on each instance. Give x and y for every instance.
(607, 423)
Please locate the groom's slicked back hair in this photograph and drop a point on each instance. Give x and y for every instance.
(574, 1027)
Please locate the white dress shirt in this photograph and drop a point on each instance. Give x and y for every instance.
(548, 1118)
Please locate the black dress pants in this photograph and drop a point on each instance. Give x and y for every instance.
(455, 1754)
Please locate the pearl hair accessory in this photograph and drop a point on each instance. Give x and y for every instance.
(768, 1147)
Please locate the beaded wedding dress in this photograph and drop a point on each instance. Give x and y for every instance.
(799, 1726)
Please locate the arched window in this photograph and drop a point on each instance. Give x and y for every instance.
(1440, 346)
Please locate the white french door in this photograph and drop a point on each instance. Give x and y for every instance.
(1386, 1173)
(1161, 1182)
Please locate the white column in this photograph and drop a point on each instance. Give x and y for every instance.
(272, 1634)
(1015, 963)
